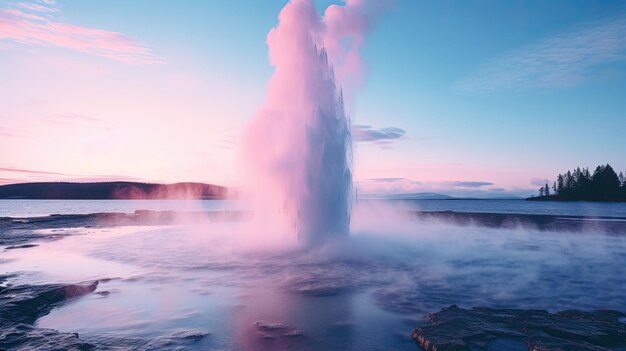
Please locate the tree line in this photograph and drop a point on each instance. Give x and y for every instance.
(579, 184)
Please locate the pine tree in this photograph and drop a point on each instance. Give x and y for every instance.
(579, 184)
(560, 183)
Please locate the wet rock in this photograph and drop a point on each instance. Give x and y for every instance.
(18, 231)
(272, 330)
(26, 303)
(21, 305)
(293, 333)
(456, 329)
(177, 340)
(25, 246)
(265, 325)
(26, 337)
(542, 222)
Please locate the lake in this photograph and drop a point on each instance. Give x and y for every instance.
(33, 208)
(224, 286)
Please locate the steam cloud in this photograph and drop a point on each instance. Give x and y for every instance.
(297, 149)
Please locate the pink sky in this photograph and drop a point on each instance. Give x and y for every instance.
(88, 102)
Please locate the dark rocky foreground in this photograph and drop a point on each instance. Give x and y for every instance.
(457, 329)
(613, 225)
(20, 306)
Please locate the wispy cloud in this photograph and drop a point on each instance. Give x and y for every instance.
(466, 184)
(10, 175)
(381, 136)
(38, 7)
(562, 60)
(27, 171)
(385, 180)
(71, 118)
(34, 24)
(539, 181)
(8, 133)
(382, 187)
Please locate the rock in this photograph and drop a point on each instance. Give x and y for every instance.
(21, 305)
(25, 246)
(265, 325)
(293, 333)
(456, 329)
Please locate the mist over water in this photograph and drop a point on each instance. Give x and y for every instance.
(363, 291)
(297, 149)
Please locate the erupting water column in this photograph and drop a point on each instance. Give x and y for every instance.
(323, 209)
(297, 149)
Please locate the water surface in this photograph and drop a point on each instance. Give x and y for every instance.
(366, 292)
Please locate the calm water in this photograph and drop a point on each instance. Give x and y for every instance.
(31, 208)
(575, 208)
(366, 292)
(34, 208)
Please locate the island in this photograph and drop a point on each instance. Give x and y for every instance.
(580, 185)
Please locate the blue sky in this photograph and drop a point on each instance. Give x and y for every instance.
(478, 98)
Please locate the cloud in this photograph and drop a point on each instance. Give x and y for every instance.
(21, 175)
(386, 179)
(539, 181)
(562, 60)
(381, 136)
(28, 171)
(37, 7)
(383, 187)
(4, 132)
(466, 184)
(34, 25)
(71, 118)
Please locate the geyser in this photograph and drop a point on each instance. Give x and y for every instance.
(297, 149)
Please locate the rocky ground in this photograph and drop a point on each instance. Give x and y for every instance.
(18, 232)
(21, 305)
(455, 329)
(611, 225)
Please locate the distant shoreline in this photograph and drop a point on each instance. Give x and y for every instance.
(557, 198)
(112, 191)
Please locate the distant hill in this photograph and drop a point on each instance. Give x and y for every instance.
(437, 196)
(419, 196)
(111, 190)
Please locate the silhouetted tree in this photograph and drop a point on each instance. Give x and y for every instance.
(560, 183)
(579, 184)
(606, 183)
(569, 181)
(623, 187)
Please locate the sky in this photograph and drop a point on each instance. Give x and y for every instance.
(482, 98)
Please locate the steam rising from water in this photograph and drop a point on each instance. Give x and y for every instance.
(297, 149)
